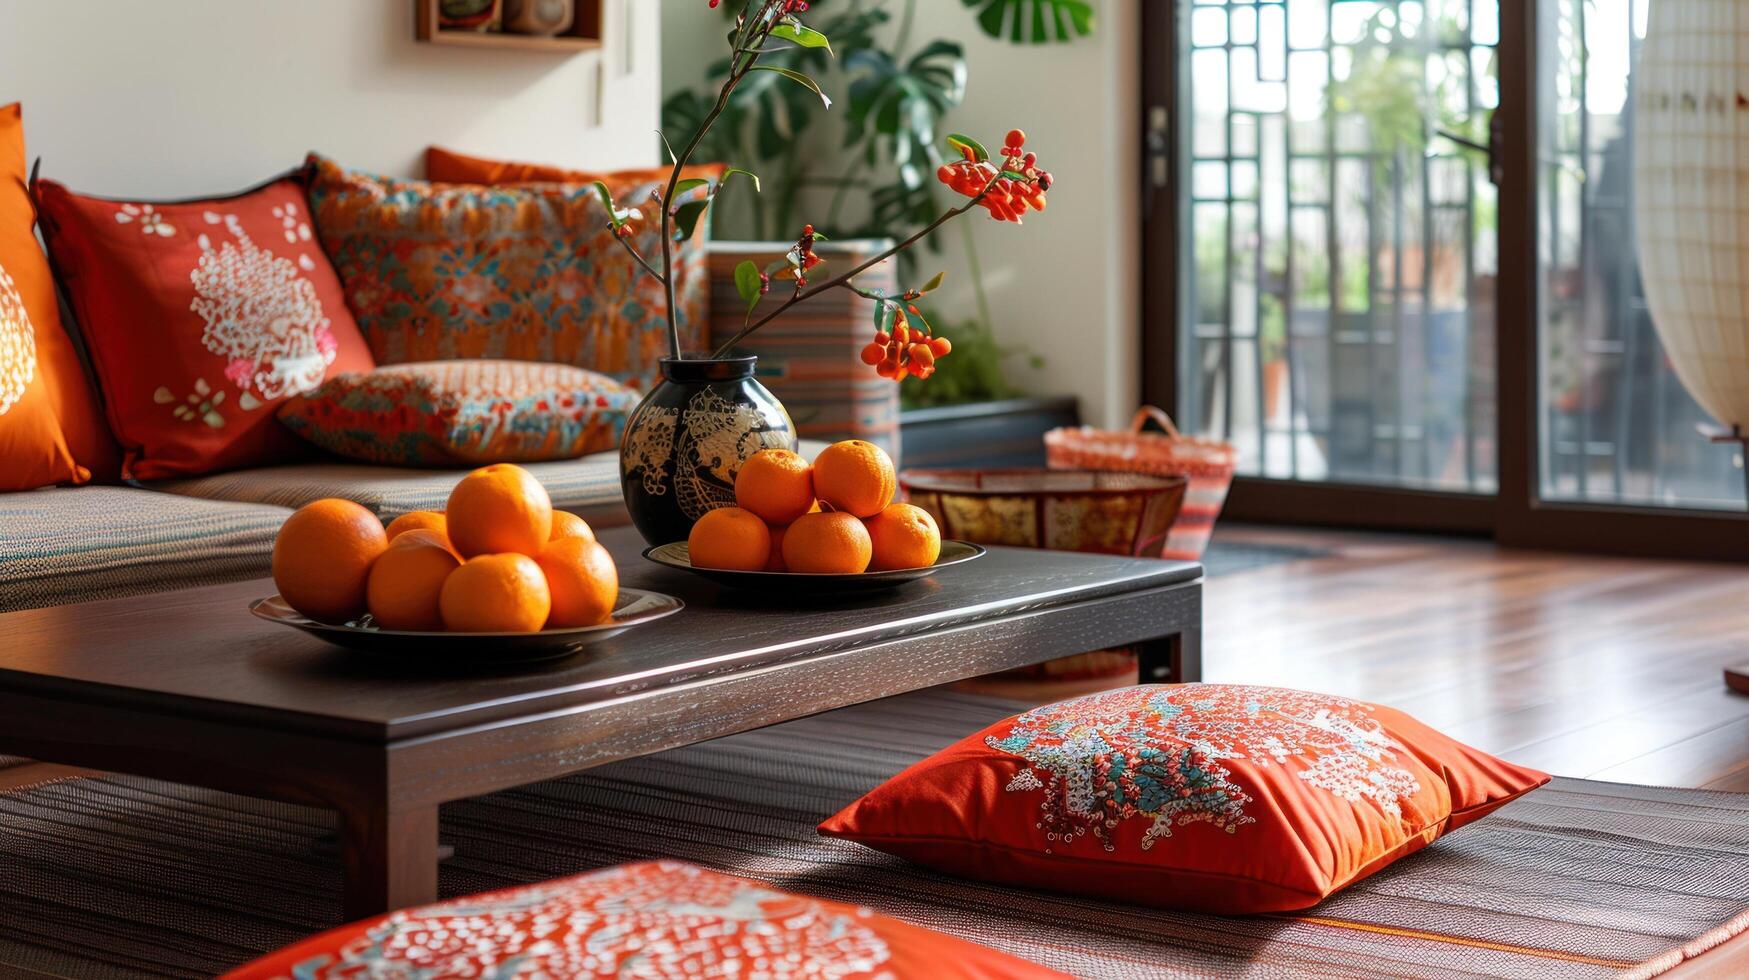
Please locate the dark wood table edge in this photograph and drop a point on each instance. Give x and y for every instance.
(387, 792)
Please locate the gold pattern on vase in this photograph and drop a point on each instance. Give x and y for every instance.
(711, 436)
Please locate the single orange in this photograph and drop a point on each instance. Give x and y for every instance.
(406, 583)
(732, 538)
(322, 558)
(903, 536)
(569, 525)
(833, 542)
(504, 593)
(774, 562)
(499, 509)
(583, 581)
(430, 520)
(855, 477)
(775, 484)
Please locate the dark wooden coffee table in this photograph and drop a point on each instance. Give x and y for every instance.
(187, 686)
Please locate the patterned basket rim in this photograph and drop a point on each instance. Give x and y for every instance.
(920, 480)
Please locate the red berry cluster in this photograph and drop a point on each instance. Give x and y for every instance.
(1019, 184)
(905, 352)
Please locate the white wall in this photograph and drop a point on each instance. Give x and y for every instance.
(1067, 282)
(190, 97)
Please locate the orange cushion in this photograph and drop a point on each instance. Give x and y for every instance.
(656, 919)
(51, 429)
(1212, 797)
(200, 317)
(450, 167)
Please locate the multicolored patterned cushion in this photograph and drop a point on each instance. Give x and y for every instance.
(439, 272)
(463, 413)
(657, 919)
(200, 316)
(1213, 797)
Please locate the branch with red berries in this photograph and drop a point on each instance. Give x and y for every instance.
(904, 345)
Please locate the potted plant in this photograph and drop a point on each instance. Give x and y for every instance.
(684, 444)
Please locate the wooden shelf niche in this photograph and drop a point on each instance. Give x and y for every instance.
(584, 34)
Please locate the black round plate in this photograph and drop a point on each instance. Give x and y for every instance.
(677, 555)
(635, 607)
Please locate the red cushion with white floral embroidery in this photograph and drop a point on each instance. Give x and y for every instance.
(200, 317)
(658, 919)
(1213, 797)
(463, 413)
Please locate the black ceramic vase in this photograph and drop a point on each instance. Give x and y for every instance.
(686, 440)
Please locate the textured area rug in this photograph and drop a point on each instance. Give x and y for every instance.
(125, 877)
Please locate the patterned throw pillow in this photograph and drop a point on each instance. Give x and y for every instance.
(1211, 797)
(658, 919)
(51, 428)
(437, 272)
(463, 413)
(199, 317)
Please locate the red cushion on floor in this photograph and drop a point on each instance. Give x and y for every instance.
(1211, 797)
(656, 919)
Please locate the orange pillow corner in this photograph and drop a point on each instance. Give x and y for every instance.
(51, 427)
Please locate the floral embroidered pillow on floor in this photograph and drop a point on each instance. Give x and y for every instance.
(657, 919)
(1211, 797)
(200, 317)
(529, 271)
(463, 413)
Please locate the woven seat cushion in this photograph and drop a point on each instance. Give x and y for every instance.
(588, 486)
(66, 545)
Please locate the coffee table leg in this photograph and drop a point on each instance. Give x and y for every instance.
(1175, 659)
(390, 856)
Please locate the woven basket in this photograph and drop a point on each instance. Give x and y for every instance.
(1101, 513)
(1207, 463)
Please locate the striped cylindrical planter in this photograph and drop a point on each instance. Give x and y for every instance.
(809, 356)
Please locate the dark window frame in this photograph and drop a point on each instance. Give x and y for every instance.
(1516, 515)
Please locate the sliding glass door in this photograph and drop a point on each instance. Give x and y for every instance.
(1391, 256)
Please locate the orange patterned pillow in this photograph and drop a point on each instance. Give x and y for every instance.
(463, 413)
(657, 919)
(51, 429)
(200, 316)
(1212, 797)
(525, 271)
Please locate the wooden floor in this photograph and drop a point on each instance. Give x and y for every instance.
(1582, 666)
(1578, 665)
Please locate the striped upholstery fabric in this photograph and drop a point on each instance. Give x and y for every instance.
(72, 544)
(125, 877)
(588, 486)
(809, 356)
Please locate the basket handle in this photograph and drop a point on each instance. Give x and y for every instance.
(1160, 418)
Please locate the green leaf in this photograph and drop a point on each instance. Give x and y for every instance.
(807, 37)
(747, 283)
(799, 79)
(915, 321)
(1052, 20)
(779, 266)
(964, 143)
(732, 171)
(934, 284)
(686, 218)
(681, 187)
(667, 146)
(884, 315)
(607, 202)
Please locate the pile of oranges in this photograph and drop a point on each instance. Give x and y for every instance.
(497, 559)
(834, 517)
